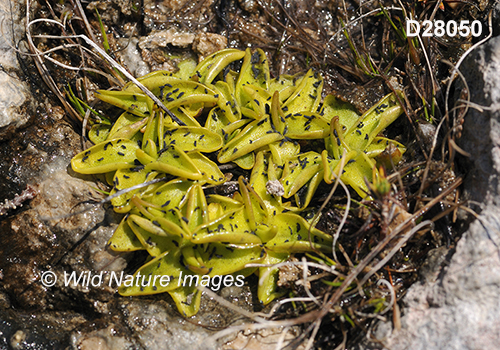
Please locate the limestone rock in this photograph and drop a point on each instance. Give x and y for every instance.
(14, 93)
(460, 309)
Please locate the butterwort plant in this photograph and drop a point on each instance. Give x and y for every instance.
(278, 131)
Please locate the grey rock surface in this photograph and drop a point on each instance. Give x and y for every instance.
(15, 93)
(460, 309)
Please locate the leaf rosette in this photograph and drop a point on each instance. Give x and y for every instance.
(218, 116)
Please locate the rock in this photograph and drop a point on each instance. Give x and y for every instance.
(207, 43)
(264, 339)
(458, 306)
(155, 48)
(41, 238)
(41, 331)
(160, 14)
(15, 97)
(162, 38)
(153, 323)
(103, 339)
(132, 57)
(111, 10)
